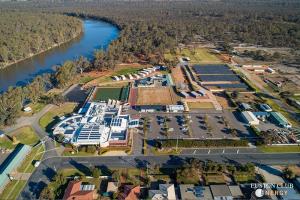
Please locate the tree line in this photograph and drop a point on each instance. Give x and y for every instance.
(26, 33)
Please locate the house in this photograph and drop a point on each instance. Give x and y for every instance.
(221, 192)
(112, 187)
(236, 192)
(191, 192)
(78, 191)
(165, 192)
(250, 118)
(265, 107)
(129, 192)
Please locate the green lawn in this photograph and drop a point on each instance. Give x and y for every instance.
(35, 154)
(85, 79)
(24, 135)
(279, 149)
(116, 93)
(48, 120)
(127, 70)
(13, 189)
(244, 177)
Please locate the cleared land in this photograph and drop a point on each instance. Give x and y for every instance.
(106, 93)
(200, 105)
(177, 75)
(156, 96)
(197, 55)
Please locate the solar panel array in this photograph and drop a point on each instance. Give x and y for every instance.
(91, 132)
(212, 69)
(116, 122)
(219, 78)
(238, 85)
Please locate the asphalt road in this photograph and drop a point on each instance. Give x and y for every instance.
(47, 169)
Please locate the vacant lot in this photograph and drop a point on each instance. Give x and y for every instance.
(200, 105)
(178, 75)
(156, 96)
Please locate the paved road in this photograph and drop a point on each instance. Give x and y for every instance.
(48, 167)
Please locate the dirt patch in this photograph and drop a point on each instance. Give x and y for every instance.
(156, 96)
(223, 100)
(200, 105)
(178, 76)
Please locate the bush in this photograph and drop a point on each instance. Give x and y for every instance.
(200, 143)
(91, 149)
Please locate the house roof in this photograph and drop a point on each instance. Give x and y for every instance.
(220, 190)
(191, 192)
(236, 191)
(112, 187)
(165, 190)
(129, 192)
(74, 192)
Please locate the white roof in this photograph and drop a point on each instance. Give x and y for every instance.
(249, 116)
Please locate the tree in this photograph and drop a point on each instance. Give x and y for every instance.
(82, 64)
(288, 173)
(95, 172)
(47, 193)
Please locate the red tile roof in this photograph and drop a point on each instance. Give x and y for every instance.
(73, 192)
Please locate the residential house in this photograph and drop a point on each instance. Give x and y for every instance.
(191, 192)
(129, 192)
(221, 192)
(78, 191)
(165, 192)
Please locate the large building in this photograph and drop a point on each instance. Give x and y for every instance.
(11, 163)
(250, 118)
(97, 123)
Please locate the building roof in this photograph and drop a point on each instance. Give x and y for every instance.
(165, 191)
(77, 191)
(12, 162)
(129, 192)
(191, 192)
(249, 116)
(112, 187)
(236, 191)
(245, 106)
(279, 118)
(265, 107)
(220, 191)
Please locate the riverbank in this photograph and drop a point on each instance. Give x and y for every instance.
(44, 50)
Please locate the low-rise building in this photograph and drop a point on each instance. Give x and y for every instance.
(279, 120)
(221, 192)
(97, 123)
(245, 106)
(175, 108)
(250, 118)
(78, 191)
(265, 107)
(11, 163)
(236, 192)
(165, 192)
(191, 192)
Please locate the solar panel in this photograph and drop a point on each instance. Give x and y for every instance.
(219, 78)
(212, 69)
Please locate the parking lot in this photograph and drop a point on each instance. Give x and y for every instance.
(194, 125)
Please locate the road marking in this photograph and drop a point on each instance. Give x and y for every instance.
(208, 151)
(223, 151)
(237, 152)
(195, 152)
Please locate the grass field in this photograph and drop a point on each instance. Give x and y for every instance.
(36, 107)
(244, 177)
(106, 93)
(127, 70)
(214, 179)
(13, 189)
(279, 149)
(200, 105)
(24, 135)
(48, 120)
(197, 55)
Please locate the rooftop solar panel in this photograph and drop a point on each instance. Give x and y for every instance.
(212, 69)
(219, 78)
(239, 85)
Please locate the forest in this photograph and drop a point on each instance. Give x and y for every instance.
(149, 28)
(25, 33)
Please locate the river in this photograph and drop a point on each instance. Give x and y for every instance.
(97, 35)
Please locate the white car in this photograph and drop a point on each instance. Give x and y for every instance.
(37, 163)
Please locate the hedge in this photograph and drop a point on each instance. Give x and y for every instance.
(200, 143)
